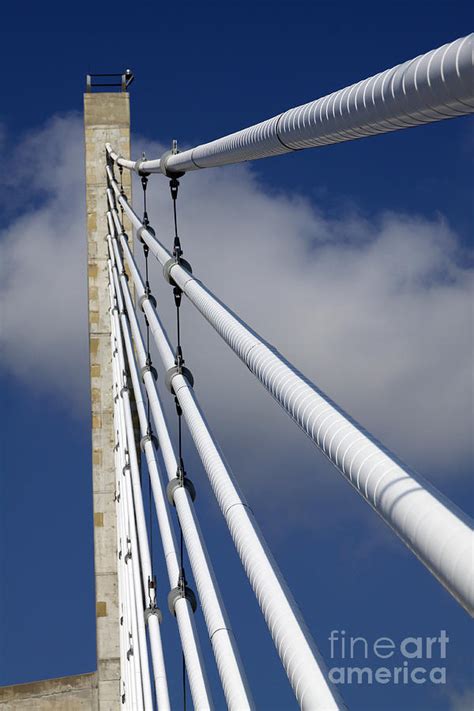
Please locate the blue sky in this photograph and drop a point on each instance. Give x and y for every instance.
(369, 237)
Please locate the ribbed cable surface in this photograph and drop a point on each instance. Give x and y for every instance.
(229, 663)
(425, 520)
(432, 87)
(188, 633)
(198, 681)
(301, 660)
(428, 523)
(300, 657)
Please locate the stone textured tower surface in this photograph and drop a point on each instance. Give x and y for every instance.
(106, 119)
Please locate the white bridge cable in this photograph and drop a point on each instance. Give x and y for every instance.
(428, 523)
(123, 607)
(135, 540)
(300, 657)
(133, 692)
(198, 682)
(138, 523)
(125, 624)
(435, 86)
(229, 663)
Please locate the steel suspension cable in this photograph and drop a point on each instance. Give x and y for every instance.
(132, 482)
(426, 521)
(126, 690)
(182, 583)
(300, 657)
(139, 554)
(220, 633)
(179, 362)
(180, 606)
(432, 87)
(134, 694)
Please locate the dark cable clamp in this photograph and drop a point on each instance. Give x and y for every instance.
(178, 370)
(171, 263)
(154, 610)
(178, 483)
(149, 438)
(179, 592)
(144, 228)
(144, 297)
(164, 160)
(137, 169)
(152, 369)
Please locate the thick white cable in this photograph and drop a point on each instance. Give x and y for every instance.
(145, 558)
(133, 693)
(140, 650)
(134, 696)
(228, 660)
(199, 685)
(123, 619)
(139, 523)
(434, 86)
(300, 657)
(428, 523)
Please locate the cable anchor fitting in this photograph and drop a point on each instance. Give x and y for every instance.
(142, 229)
(172, 263)
(173, 371)
(149, 437)
(153, 610)
(148, 367)
(181, 591)
(146, 296)
(179, 483)
(164, 160)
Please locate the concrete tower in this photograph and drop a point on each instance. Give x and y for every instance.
(106, 119)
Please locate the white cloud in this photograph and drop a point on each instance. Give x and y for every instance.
(43, 286)
(462, 702)
(376, 312)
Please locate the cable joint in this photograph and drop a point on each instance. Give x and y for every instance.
(173, 371)
(181, 591)
(170, 264)
(150, 437)
(180, 483)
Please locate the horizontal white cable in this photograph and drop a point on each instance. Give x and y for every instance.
(434, 86)
(229, 663)
(428, 523)
(300, 657)
(198, 682)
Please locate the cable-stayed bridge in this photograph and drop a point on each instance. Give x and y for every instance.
(129, 422)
